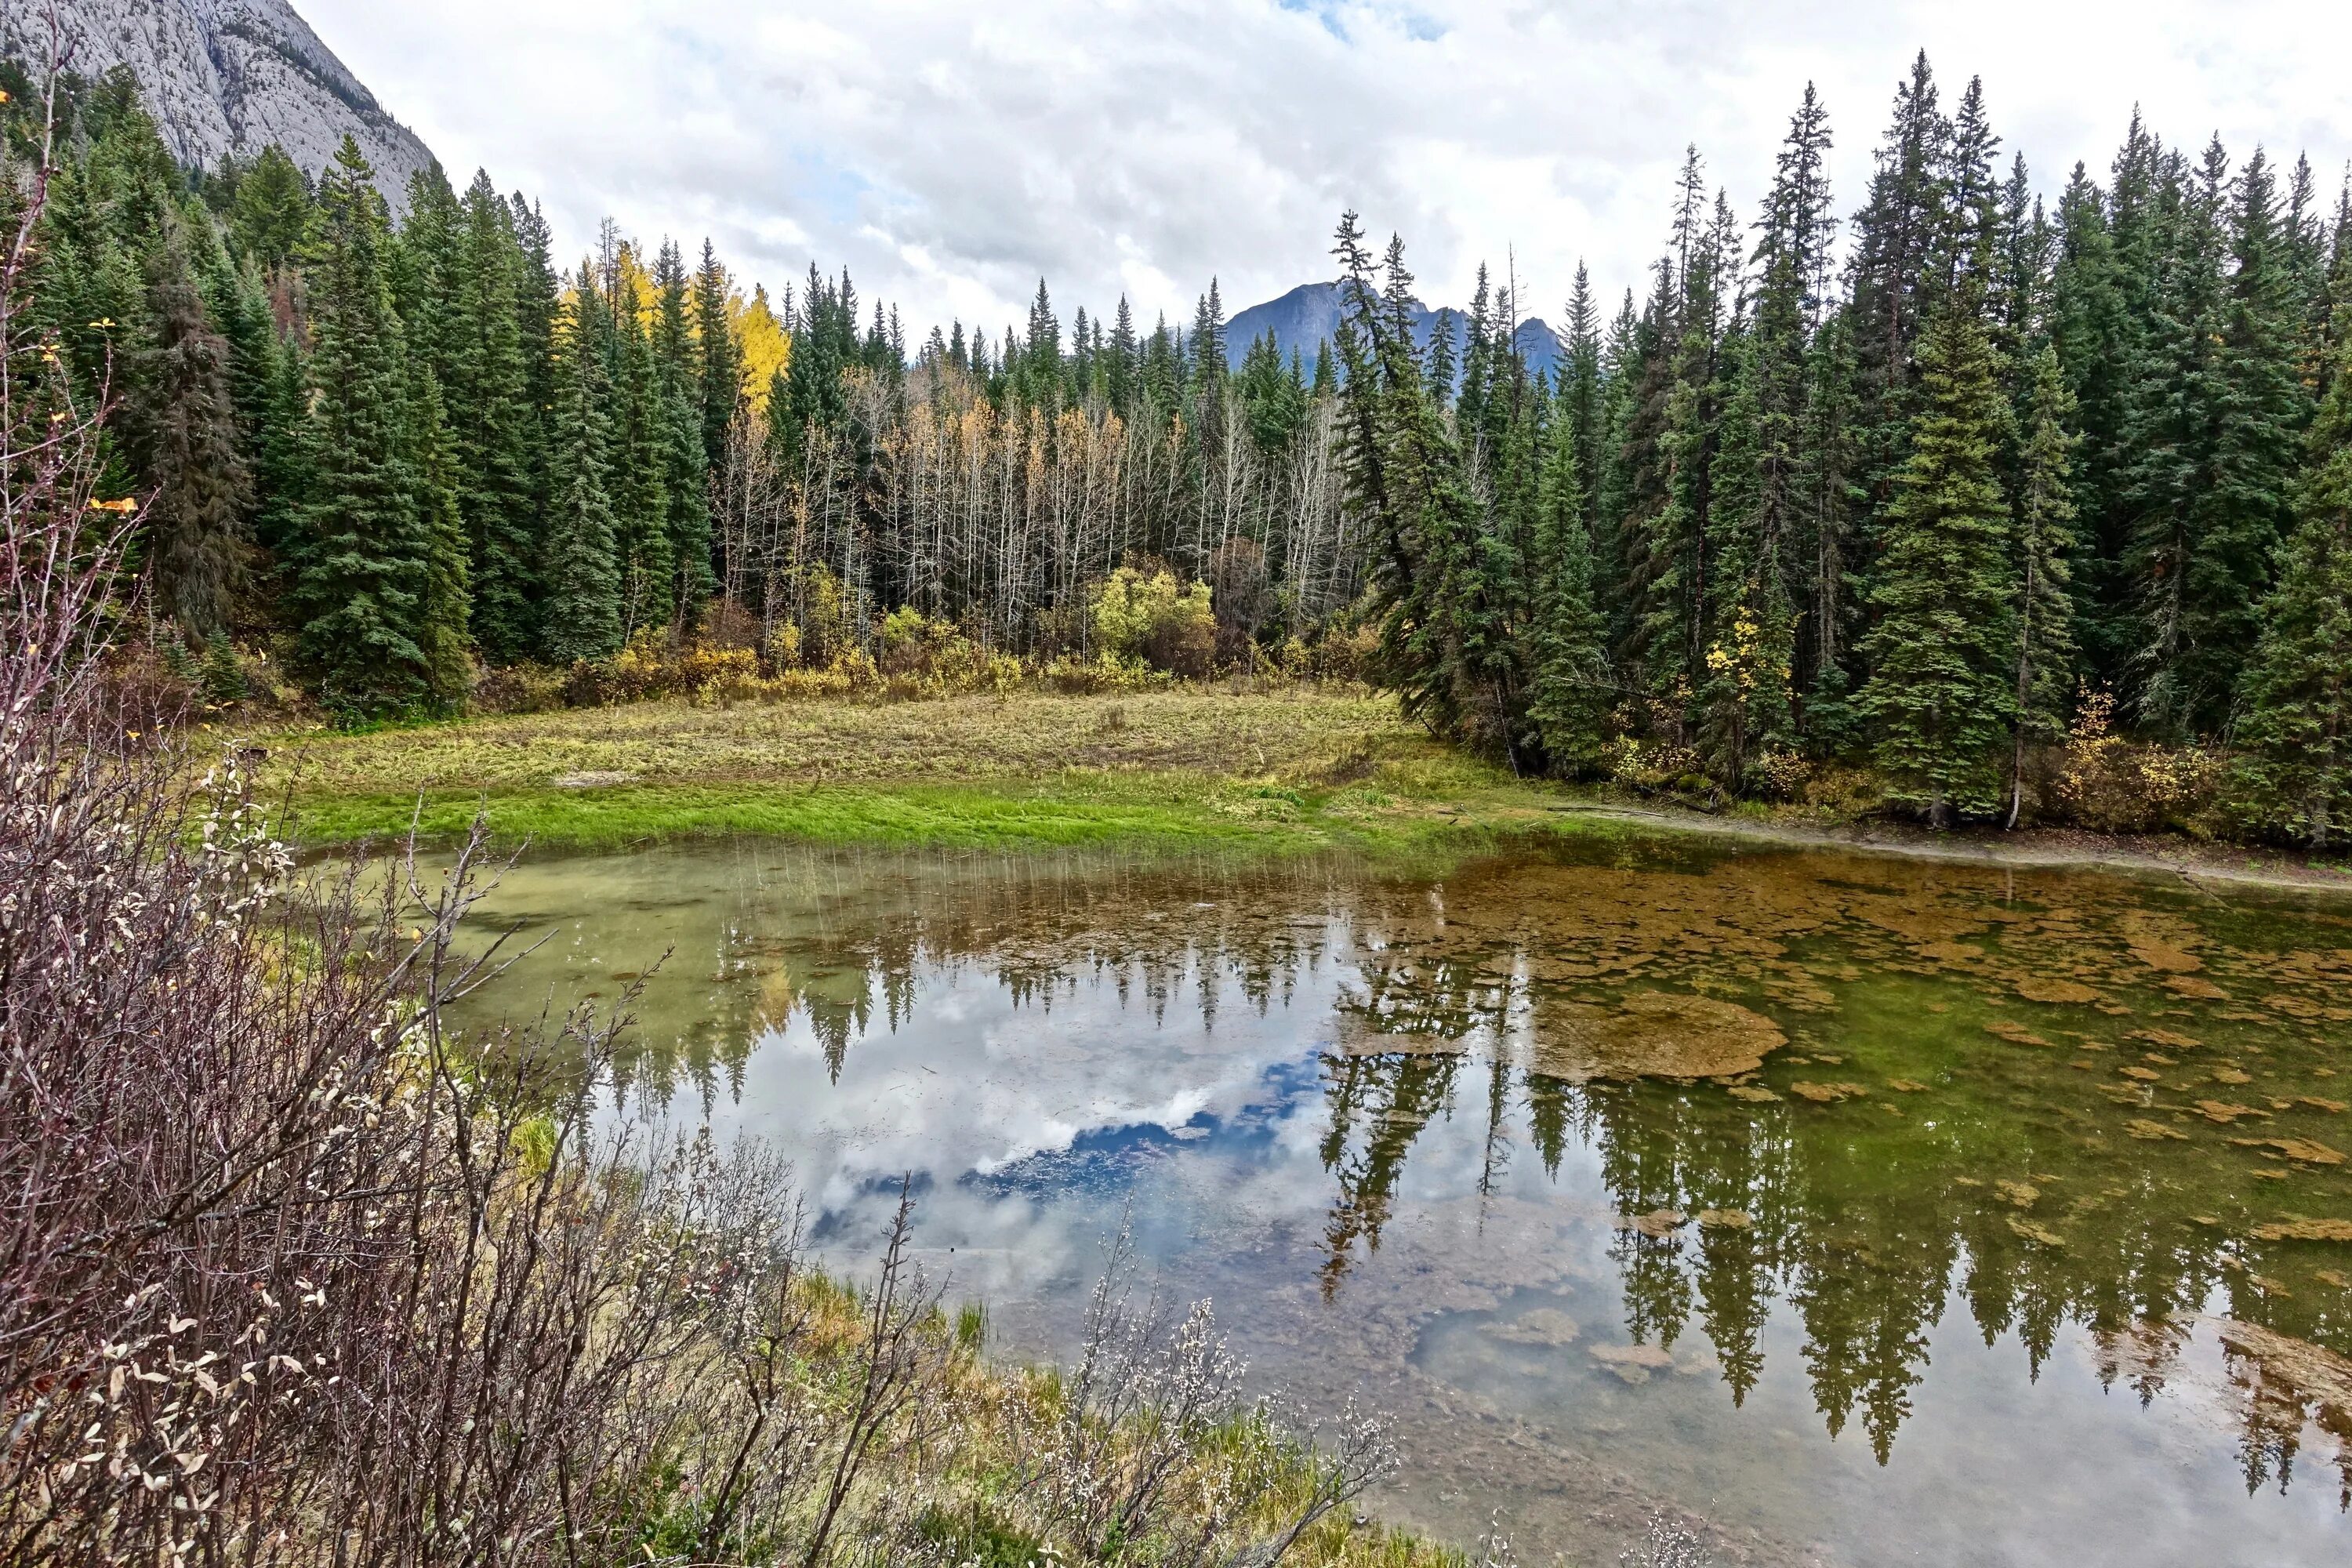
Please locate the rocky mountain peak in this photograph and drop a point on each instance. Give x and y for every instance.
(224, 76)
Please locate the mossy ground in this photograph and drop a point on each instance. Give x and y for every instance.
(1286, 771)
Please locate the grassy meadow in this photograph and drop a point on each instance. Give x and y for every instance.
(1294, 769)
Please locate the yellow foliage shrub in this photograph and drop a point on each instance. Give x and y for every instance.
(2111, 784)
(1167, 624)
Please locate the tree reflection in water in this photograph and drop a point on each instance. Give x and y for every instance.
(2059, 1098)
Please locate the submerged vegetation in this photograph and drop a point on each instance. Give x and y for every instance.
(1818, 1087)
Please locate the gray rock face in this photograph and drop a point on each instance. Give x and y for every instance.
(225, 76)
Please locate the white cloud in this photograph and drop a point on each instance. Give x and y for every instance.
(950, 153)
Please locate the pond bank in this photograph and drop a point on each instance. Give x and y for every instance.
(1200, 770)
(2032, 848)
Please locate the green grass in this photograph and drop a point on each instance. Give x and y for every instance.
(963, 816)
(1183, 771)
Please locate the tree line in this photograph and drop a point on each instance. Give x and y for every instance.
(1908, 499)
(1904, 489)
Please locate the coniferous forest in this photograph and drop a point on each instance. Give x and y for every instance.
(1925, 488)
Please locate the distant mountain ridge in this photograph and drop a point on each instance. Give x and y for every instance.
(1307, 318)
(225, 77)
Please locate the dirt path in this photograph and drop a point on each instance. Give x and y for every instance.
(2033, 848)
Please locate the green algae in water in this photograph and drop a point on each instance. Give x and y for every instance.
(1960, 1152)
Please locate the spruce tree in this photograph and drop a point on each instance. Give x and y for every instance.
(1744, 698)
(721, 381)
(364, 556)
(424, 265)
(273, 212)
(638, 467)
(496, 489)
(1896, 236)
(2099, 342)
(1405, 486)
(539, 306)
(2220, 411)
(1759, 505)
(581, 568)
(285, 468)
(1828, 673)
(1581, 392)
(2296, 701)
(1939, 700)
(2046, 543)
(1569, 691)
(686, 468)
(183, 422)
(445, 616)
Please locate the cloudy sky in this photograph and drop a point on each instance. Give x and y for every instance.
(952, 152)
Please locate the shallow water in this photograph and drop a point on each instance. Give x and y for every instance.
(2006, 1228)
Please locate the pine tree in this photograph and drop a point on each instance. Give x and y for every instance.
(2045, 545)
(445, 616)
(581, 567)
(286, 469)
(2295, 724)
(2220, 414)
(1896, 236)
(184, 427)
(722, 382)
(686, 469)
(2098, 342)
(498, 492)
(274, 211)
(1939, 697)
(366, 551)
(1570, 689)
(638, 466)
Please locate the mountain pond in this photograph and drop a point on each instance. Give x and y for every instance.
(1872, 1210)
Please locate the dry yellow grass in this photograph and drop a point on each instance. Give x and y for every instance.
(1288, 769)
(1021, 736)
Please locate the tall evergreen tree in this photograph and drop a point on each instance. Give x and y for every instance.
(492, 379)
(581, 567)
(721, 382)
(639, 466)
(285, 468)
(1581, 387)
(274, 211)
(1896, 236)
(365, 550)
(2295, 724)
(1570, 692)
(444, 614)
(2046, 543)
(1939, 700)
(2218, 410)
(184, 429)
(685, 477)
